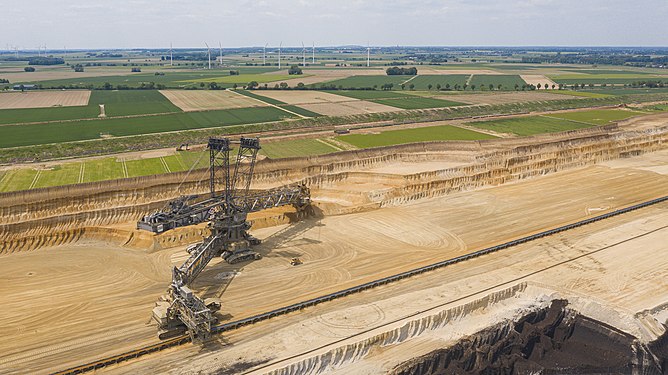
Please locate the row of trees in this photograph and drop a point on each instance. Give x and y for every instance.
(397, 71)
(43, 60)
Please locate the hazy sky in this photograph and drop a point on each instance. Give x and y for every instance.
(154, 23)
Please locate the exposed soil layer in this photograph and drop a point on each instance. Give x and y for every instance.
(548, 341)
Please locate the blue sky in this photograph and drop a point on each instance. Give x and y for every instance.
(236, 23)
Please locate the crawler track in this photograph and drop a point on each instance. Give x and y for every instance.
(177, 341)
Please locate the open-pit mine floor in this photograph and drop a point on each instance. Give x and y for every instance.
(86, 299)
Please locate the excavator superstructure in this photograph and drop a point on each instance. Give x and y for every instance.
(181, 310)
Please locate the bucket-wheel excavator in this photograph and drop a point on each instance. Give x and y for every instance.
(181, 310)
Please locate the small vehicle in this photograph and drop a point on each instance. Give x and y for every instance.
(295, 261)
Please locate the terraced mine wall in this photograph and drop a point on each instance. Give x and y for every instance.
(44, 217)
(551, 340)
(542, 334)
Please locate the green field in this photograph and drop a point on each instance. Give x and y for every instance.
(172, 78)
(33, 134)
(421, 82)
(525, 126)
(370, 94)
(261, 97)
(116, 103)
(297, 147)
(599, 79)
(18, 179)
(626, 91)
(416, 102)
(584, 94)
(395, 137)
(243, 79)
(112, 168)
(507, 82)
(65, 174)
(131, 102)
(606, 72)
(366, 82)
(300, 110)
(597, 117)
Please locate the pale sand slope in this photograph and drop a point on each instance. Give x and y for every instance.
(202, 100)
(44, 99)
(72, 304)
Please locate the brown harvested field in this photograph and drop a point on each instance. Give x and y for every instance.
(298, 97)
(505, 97)
(44, 99)
(201, 100)
(435, 71)
(348, 108)
(535, 79)
(326, 75)
(45, 74)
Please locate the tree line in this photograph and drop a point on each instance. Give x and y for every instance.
(397, 71)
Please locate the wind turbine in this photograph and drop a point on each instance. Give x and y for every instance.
(264, 54)
(368, 55)
(313, 54)
(279, 55)
(220, 48)
(303, 55)
(171, 55)
(209, 52)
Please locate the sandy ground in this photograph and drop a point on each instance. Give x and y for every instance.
(66, 305)
(297, 97)
(44, 99)
(601, 285)
(505, 97)
(202, 100)
(535, 79)
(349, 108)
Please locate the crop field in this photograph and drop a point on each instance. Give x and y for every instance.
(300, 110)
(18, 179)
(417, 102)
(276, 102)
(507, 82)
(395, 137)
(599, 79)
(44, 99)
(171, 78)
(525, 126)
(371, 94)
(113, 168)
(297, 97)
(132, 102)
(583, 94)
(367, 81)
(33, 134)
(241, 79)
(65, 174)
(297, 147)
(117, 103)
(201, 100)
(597, 117)
(421, 82)
(353, 107)
(626, 91)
